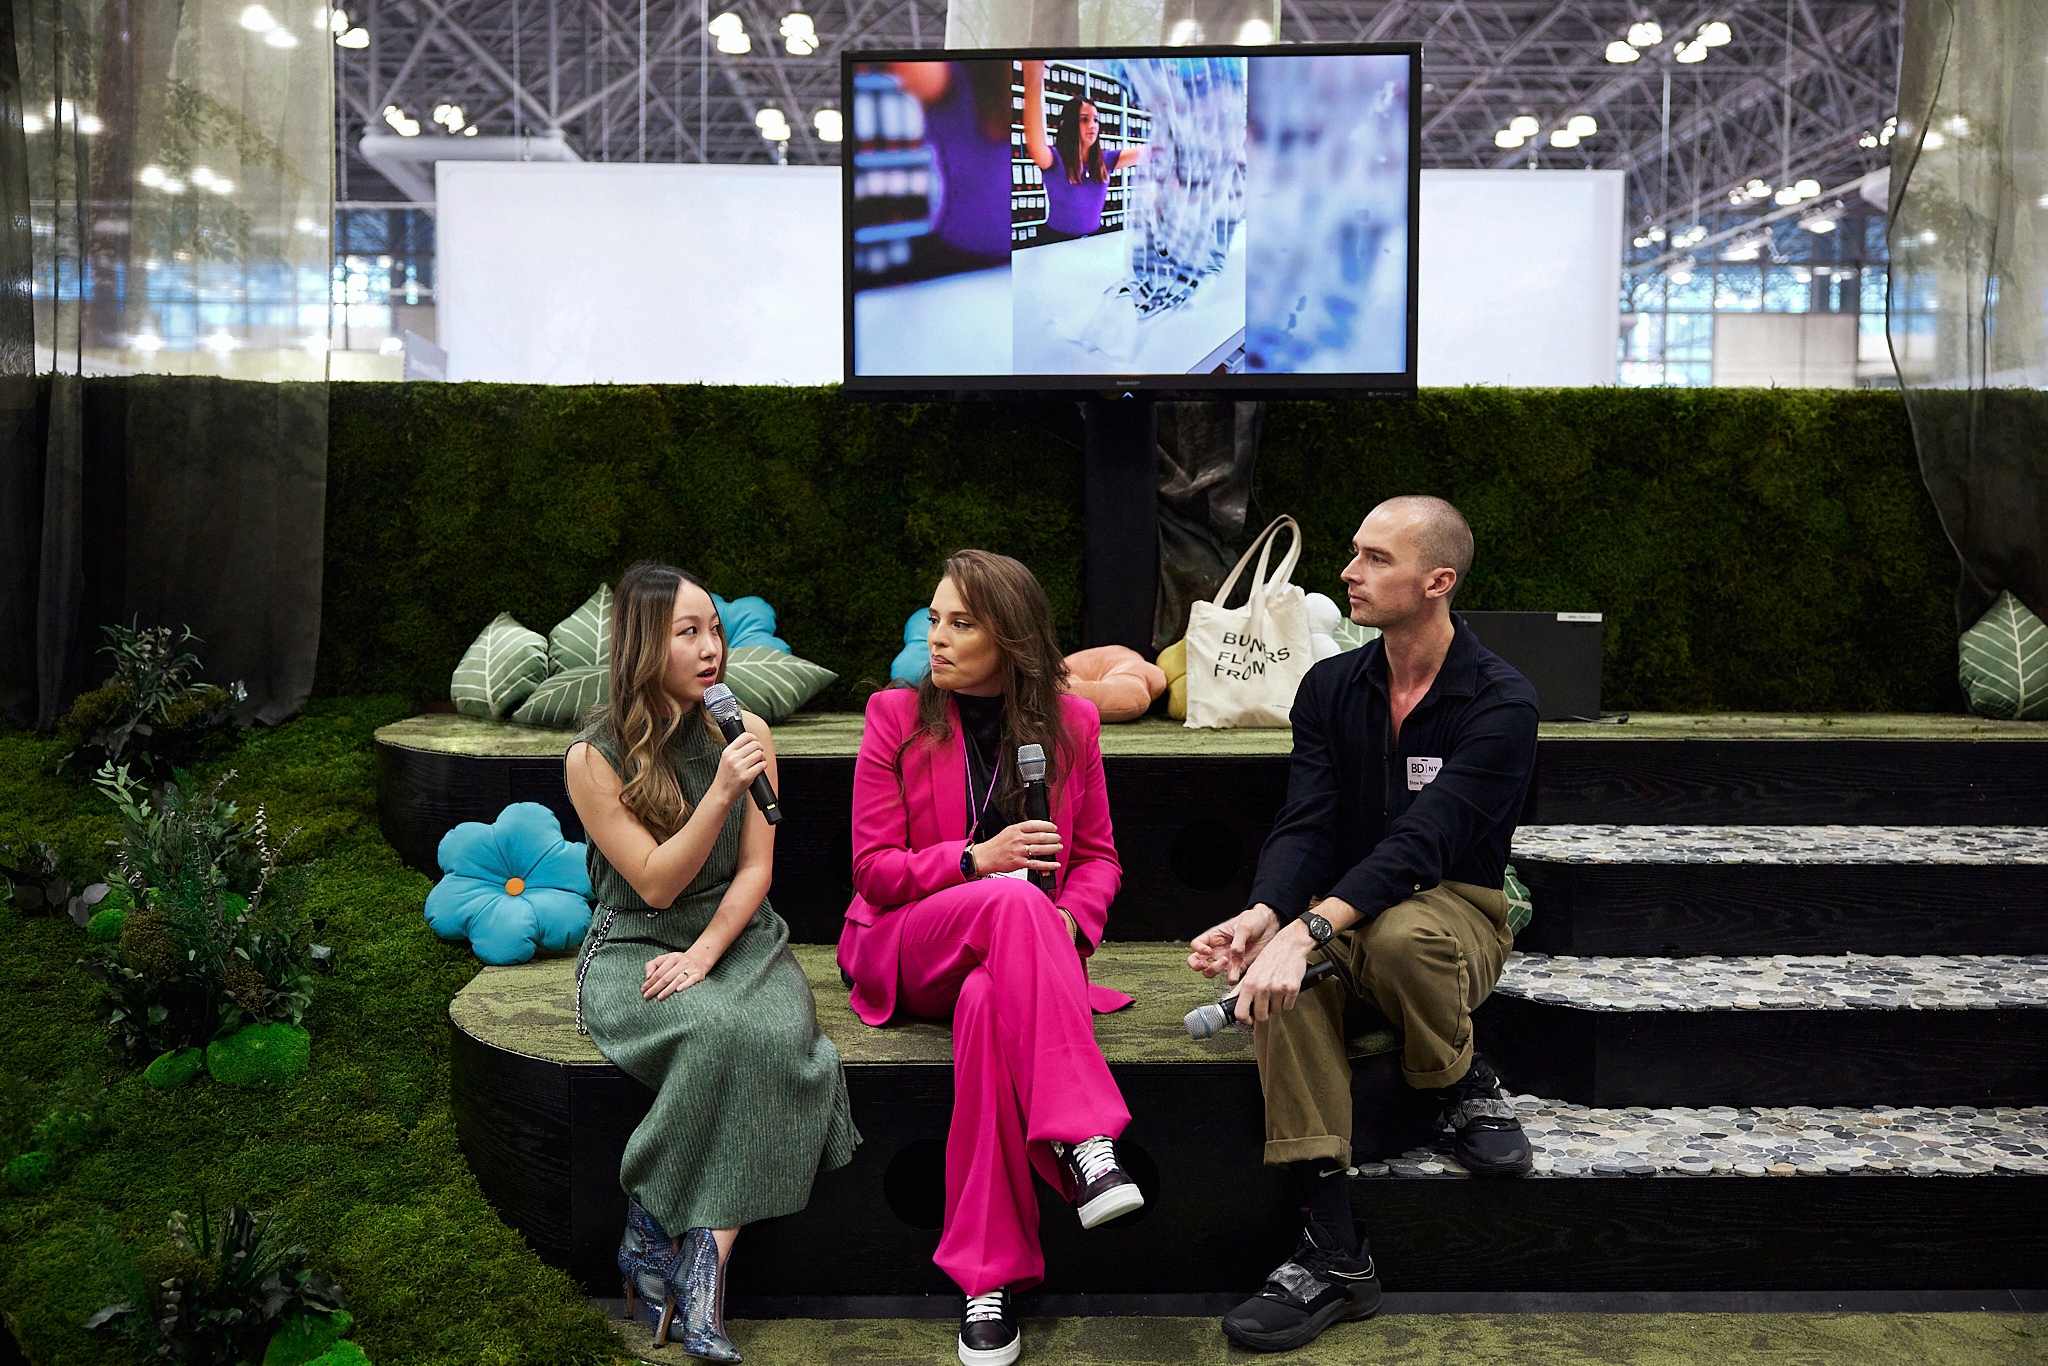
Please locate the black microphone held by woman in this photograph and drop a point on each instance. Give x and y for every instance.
(725, 710)
(1037, 807)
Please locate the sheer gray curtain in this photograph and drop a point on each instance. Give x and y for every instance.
(166, 170)
(1968, 313)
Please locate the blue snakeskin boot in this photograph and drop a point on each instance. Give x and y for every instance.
(647, 1256)
(696, 1283)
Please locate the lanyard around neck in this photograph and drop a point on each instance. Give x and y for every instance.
(995, 773)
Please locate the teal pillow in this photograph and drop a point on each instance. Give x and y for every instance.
(566, 699)
(2003, 663)
(501, 668)
(583, 639)
(773, 684)
(748, 621)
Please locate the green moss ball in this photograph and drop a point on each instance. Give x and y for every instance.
(341, 1354)
(175, 1068)
(306, 1336)
(105, 925)
(261, 1057)
(27, 1172)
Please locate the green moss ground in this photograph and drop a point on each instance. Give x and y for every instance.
(359, 1155)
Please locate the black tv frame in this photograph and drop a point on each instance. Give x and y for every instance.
(918, 388)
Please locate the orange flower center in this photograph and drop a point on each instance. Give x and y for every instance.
(514, 886)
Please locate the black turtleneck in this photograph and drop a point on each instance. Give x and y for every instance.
(981, 733)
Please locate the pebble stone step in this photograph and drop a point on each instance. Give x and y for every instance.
(1800, 1140)
(1782, 1029)
(1678, 890)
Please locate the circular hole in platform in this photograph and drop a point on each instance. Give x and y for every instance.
(1206, 855)
(914, 1184)
(1143, 1170)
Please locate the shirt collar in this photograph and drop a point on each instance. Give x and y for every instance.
(1457, 676)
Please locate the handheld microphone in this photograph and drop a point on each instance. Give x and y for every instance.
(1207, 1021)
(1037, 806)
(725, 710)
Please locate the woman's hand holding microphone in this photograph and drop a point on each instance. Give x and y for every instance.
(743, 760)
(1029, 846)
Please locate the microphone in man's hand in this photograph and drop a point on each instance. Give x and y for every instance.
(725, 710)
(1037, 807)
(1207, 1021)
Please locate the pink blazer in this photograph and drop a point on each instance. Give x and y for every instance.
(904, 853)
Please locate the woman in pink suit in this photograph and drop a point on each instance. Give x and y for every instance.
(945, 922)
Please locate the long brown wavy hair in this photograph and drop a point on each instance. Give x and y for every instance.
(1067, 138)
(642, 716)
(1007, 601)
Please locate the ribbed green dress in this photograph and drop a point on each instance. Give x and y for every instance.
(749, 1099)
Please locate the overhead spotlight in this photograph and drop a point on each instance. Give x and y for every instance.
(151, 175)
(470, 131)
(258, 19)
(1788, 195)
(2042, 202)
(1958, 125)
(222, 186)
(1655, 234)
(1507, 137)
(730, 33)
(1807, 188)
(1743, 251)
(1254, 33)
(220, 343)
(799, 36)
(1819, 222)
(1640, 242)
(449, 116)
(1930, 237)
(1645, 34)
(1934, 141)
(89, 124)
(1563, 137)
(306, 225)
(1714, 34)
(400, 124)
(831, 128)
(1691, 52)
(1618, 51)
(1802, 274)
(1524, 125)
(173, 185)
(202, 176)
(1184, 32)
(354, 38)
(1681, 271)
(1867, 140)
(336, 22)
(772, 125)
(33, 123)
(147, 341)
(1757, 189)
(1581, 125)
(391, 346)
(279, 37)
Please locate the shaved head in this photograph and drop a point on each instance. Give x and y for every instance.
(1441, 534)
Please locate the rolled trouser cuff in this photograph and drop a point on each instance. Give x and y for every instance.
(1320, 1147)
(1441, 1076)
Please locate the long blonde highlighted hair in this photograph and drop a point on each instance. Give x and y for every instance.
(642, 716)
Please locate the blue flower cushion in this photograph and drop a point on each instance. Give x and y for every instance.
(914, 660)
(512, 887)
(749, 621)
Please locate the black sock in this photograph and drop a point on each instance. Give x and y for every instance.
(1324, 1194)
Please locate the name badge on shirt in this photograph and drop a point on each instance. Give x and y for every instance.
(1422, 772)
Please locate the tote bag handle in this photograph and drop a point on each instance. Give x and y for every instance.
(1263, 547)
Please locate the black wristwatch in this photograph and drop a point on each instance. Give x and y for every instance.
(967, 868)
(1319, 929)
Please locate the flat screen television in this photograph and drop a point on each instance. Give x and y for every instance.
(1182, 222)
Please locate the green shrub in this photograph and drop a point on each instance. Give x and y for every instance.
(260, 1057)
(306, 1336)
(152, 715)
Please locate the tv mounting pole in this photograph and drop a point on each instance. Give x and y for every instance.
(1120, 496)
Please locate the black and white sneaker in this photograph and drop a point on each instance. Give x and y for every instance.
(1484, 1133)
(1102, 1188)
(1316, 1287)
(988, 1334)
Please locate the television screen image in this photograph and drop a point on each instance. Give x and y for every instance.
(1180, 221)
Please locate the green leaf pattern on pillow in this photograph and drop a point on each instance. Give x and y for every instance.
(500, 670)
(771, 684)
(566, 698)
(1349, 635)
(584, 638)
(2003, 663)
(1521, 906)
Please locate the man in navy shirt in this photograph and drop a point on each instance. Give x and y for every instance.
(1412, 756)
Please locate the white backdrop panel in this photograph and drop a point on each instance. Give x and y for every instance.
(1520, 277)
(588, 273)
(581, 273)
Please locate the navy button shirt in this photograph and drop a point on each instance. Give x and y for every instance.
(1372, 821)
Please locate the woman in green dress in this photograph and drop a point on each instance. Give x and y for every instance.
(686, 980)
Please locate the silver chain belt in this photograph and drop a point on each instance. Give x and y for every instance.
(604, 930)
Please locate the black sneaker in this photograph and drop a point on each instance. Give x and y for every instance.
(988, 1334)
(1102, 1188)
(1486, 1137)
(1313, 1289)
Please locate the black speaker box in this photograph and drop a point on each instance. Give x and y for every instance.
(1558, 652)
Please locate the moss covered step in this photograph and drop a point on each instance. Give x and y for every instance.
(1682, 890)
(1192, 808)
(1780, 1030)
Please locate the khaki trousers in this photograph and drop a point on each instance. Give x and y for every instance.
(1426, 963)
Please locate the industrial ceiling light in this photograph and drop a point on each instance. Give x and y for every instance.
(1581, 126)
(1934, 141)
(1681, 271)
(1655, 234)
(258, 19)
(280, 37)
(1819, 222)
(1508, 137)
(90, 124)
(1255, 33)
(1788, 195)
(1184, 32)
(1524, 126)
(1618, 51)
(1641, 242)
(354, 38)
(1645, 34)
(1691, 52)
(1563, 137)
(798, 34)
(772, 124)
(730, 33)
(336, 22)
(449, 116)
(400, 124)
(1807, 189)
(1714, 34)
(831, 128)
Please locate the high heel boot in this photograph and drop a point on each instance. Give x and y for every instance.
(696, 1282)
(647, 1255)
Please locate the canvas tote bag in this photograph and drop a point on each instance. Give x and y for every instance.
(1244, 663)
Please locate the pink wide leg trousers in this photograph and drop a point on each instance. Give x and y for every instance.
(995, 956)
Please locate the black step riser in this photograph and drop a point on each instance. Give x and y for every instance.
(1685, 910)
(1766, 1057)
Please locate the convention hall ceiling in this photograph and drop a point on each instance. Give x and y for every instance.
(1792, 90)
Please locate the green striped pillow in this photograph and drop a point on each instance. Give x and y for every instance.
(2003, 663)
(566, 699)
(501, 668)
(771, 684)
(584, 637)
(1521, 906)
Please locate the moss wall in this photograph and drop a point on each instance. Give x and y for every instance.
(1752, 549)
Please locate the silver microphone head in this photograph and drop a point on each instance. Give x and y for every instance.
(719, 701)
(1031, 763)
(1205, 1022)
